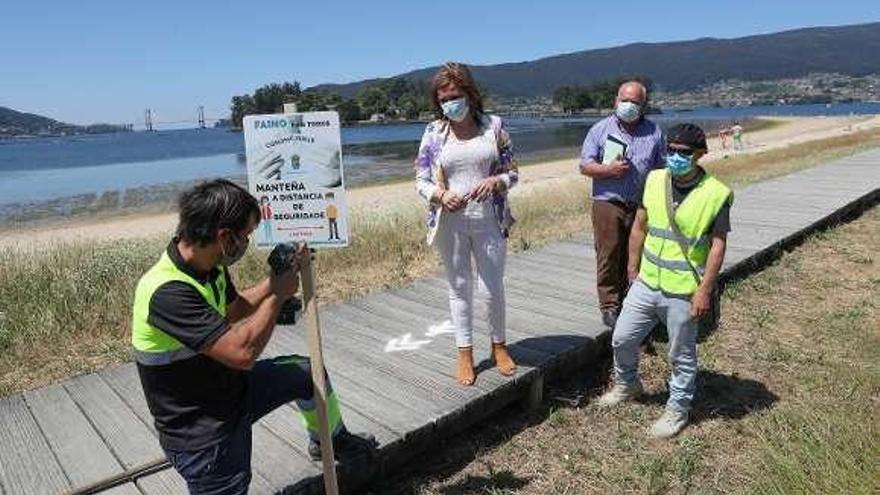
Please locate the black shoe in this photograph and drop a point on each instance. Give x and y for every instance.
(609, 318)
(346, 445)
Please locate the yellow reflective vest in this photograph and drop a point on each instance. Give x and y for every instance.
(664, 267)
(152, 346)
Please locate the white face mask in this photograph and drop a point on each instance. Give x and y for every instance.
(456, 110)
(628, 111)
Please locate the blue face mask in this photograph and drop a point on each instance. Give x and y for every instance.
(456, 110)
(679, 164)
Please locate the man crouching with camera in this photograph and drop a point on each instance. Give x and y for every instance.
(197, 340)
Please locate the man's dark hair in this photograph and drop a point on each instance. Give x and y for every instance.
(688, 134)
(214, 205)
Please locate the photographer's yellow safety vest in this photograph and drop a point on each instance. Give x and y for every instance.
(664, 267)
(153, 347)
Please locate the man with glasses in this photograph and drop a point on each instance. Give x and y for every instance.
(636, 144)
(676, 247)
(197, 339)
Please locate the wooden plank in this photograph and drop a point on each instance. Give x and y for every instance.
(165, 482)
(576, 255)
(126, 489)
(80, 451)
(736, 255)
(820, 195)
(818, 177)
(411, 382)
(784, 207)
(584, 298)
(122, 430)
(27, 463)
(571, 275)
(773, 216)
(124, 380)
(259, 485)
(285, 423)
(168, 482)
(538, 306)
(434, 294)
(279, 464)
(584, 251)
(378, 405)
(350, 393)
(421, 388)
(575, 282)
(437, 356)
(446, 356)
(754, 239)
(358, 423)
(538, 327)
(559, 261)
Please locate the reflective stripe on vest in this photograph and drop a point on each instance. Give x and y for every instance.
(664, 267)
(152, 346)
(670, 235)
(682, 266)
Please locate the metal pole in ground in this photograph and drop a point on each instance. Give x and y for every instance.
(310, 303)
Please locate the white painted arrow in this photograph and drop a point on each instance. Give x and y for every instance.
(440, 329)
(404, 343)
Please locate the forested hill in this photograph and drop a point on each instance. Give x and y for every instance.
(683, 65)
(15, 123)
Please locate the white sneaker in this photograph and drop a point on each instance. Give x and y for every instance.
(669, 425)
(620, 393)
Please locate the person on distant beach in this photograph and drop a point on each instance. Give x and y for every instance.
(673, 265)
(197, 340)
(724, 135)
(617, 186)
(464, 169)
(737, 131)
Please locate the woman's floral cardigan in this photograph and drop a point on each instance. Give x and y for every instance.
(430, 177)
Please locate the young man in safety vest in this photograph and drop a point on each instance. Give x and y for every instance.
(197, 339)
(668, 284)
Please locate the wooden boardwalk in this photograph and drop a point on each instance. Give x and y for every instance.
(391, 358)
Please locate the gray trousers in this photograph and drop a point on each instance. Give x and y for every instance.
(642, 308)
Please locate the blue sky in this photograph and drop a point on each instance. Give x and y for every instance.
(106, 61)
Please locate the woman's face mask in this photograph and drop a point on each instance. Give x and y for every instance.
(456, 110)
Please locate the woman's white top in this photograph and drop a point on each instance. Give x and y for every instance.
(466, 163)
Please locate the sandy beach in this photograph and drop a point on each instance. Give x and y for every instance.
(790, 131)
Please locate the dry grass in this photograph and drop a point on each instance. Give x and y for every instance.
(748, 168)
(65, 310)
(788, 400)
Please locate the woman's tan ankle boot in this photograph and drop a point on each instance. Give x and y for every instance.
(502, 359)
(465, 368)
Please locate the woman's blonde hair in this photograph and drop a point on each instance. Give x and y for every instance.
(459, 75)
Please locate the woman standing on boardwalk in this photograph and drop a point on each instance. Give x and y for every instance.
(463, 171)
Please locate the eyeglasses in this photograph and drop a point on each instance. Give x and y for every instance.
(681, 151)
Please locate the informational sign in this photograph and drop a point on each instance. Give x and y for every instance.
(294, 164)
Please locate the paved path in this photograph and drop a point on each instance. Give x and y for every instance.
(391, 358)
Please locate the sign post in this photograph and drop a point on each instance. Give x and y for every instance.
(294, 163)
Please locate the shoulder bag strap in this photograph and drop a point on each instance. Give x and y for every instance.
(679, 237)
